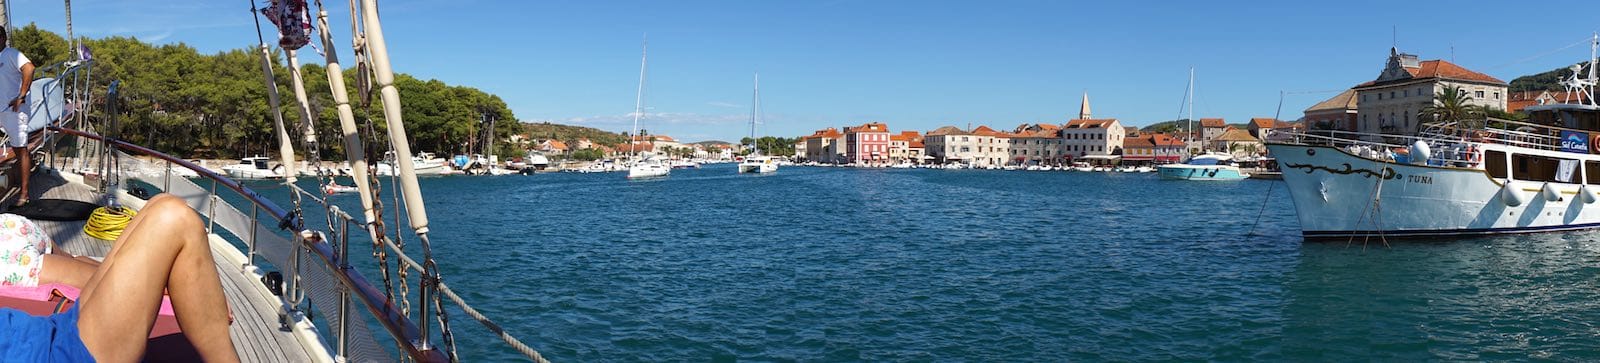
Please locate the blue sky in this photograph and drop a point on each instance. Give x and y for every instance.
(916, 65)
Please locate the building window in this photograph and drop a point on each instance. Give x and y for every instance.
(1391, 94)
(1479, 94)
(1497, 95)
(1380, 96)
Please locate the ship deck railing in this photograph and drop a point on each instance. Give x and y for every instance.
(318, 276)
(1446, 149)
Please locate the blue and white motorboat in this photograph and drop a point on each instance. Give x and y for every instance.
(1208, 166)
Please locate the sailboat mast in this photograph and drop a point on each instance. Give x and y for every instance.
(1191, 112)
(638, 99)
(755, 116)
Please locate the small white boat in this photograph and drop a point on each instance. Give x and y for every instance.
(335, 188)
(1081, 166)
(648, 168)
(254, 167)
(1144, 169)
(758, 164)
(685, 164)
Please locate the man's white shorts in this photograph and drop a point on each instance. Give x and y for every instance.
(16, 124)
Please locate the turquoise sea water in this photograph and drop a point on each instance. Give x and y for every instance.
(828, 264)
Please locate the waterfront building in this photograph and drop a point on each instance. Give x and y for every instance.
(905, 147)
(1036, 144)
(800, 149)
(1100, 138)
(949, 144)
(824, 146)
(1153, 148)
(1238, 142)
(582, 143)
(552, 147)
(867, 143)
(993, 148)
(1262, 127)
(1211, 128)
(1337, 113)
(1390, 103)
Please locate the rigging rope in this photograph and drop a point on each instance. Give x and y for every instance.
(1585, 40)
(495, 328)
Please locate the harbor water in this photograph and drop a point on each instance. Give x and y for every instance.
(836, 264)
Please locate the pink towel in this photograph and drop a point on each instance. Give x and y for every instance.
(42, 293)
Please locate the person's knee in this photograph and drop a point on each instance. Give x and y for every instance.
(172, 211)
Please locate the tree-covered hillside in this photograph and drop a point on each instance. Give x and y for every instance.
(1550, 80)
(179, 101)
(568, 133)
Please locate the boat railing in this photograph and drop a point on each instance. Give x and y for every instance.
(314, 266)
(1446, 149)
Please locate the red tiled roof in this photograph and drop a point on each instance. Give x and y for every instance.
(1443, 69)
(556, 144)
(915, 145)
(1235, 135)
(1213, 122)
(1090, 123)
(907, 136)
(1167, 140)
(868, 127)
(986, 131)
(826, 133)
(948, 130)
(1263, 122)
(1152, 140)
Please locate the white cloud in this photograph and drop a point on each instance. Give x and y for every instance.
(724, 104)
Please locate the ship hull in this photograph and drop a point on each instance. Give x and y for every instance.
(1337, 194)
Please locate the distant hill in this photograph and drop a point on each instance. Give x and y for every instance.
(1550, 80)
(712, 142)
(569, 133)
(1179, 126)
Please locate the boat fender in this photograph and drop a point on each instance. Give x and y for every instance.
(1550, 193)
(1511, 195)
(1419, 152)
(1587, 195)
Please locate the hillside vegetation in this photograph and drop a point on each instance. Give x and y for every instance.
(179, 101)
(1549, 80)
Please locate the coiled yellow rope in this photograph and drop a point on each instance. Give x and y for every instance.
(107, 224)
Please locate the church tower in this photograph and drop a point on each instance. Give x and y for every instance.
(1083, 111)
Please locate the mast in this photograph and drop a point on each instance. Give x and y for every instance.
(755, 117)
(1188, 94)
(638, 99)
(285, 146)
(354, 151)
(1191, 112)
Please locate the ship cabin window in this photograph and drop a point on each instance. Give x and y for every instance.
(1494, 162)
(1543, 168)
(1591, 170)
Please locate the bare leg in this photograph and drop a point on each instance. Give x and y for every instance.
(164, 247)
(66, 270)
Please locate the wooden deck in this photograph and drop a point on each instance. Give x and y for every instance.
(255, 331)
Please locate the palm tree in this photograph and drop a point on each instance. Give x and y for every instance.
(1451, 105)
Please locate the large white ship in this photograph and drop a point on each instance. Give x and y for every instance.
(1537, 175)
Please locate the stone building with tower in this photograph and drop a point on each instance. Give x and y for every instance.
(1390, 104)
